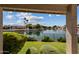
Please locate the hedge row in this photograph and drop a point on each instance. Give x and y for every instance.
(13, 42)
(47, 39)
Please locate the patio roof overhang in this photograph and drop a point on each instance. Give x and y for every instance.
(36, 8)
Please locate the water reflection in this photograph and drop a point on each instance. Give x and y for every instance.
(50, 33)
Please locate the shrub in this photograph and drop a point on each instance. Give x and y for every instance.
(32, 50)
(47, 39)
(13, 41)
(31, 39)
(62, 39)
(78, 39)
(28, 51)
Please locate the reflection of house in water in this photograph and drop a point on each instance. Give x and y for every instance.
(60, 28)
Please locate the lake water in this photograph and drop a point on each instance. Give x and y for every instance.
(39, 35)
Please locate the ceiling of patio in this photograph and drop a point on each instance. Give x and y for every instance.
(38, 8)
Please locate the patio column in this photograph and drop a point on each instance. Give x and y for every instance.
(71, 32)
(1, 36)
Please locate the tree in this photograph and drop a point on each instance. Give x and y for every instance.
(55, 27)
(49, 27)
(29, 26)
(25, 21)
(38, 26)
(64, 28)
(44, 27)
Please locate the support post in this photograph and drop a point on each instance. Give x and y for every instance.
(1, 28)
(71, 32)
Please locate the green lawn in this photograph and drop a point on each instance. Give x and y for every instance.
(44, 48)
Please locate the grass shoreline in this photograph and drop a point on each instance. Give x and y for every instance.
(59, 47)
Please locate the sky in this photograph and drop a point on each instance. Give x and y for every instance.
(17, 18)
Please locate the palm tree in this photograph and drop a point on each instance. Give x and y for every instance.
(25, 22)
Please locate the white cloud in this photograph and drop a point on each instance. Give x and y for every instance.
(53, 15)
(19, 22)
(28, 16)
(23, 14)
(35, 22)
(58, 15)
(11, 23)
(33, 17)
(9, 17)
(50, 15)
(10, 12)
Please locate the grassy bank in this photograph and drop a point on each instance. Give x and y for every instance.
(44, 47)
(19, 43)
